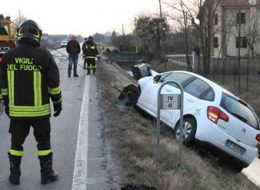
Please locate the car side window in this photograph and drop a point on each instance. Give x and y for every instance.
(198, 87)
(209, 95)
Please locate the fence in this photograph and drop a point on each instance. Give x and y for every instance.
(179, 59)
(238, 73)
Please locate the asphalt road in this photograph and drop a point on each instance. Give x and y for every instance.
(64, 138)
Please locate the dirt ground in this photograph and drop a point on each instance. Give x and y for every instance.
(131, 137)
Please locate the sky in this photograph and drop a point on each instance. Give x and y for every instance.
(81, 17)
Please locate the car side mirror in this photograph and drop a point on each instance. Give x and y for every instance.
(156, 78)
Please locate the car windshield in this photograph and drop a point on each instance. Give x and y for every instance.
(179, 77)
(240, 110)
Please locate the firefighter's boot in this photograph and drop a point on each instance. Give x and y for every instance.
(94, 71)
(15, 171)
(48, 175)
(88, 71)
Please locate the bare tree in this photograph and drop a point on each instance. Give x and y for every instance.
(206, 17)
(203, 11)
(182, 17)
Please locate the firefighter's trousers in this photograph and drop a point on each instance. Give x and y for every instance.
(20, 129)
(91, 64)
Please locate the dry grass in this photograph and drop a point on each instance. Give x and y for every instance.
(132, 138)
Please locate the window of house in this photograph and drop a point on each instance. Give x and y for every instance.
(216, 19)
(215, 42)
(242, 42)
(241, 18)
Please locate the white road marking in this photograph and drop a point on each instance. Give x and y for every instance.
(81, 159)
(253, 172)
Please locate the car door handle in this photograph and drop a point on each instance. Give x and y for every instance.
(198, 109)
(243, 130)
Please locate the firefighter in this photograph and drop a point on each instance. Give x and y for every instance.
(83, 50)
(90, 53)
(29, 78)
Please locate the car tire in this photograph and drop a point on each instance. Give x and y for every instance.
(189, 130)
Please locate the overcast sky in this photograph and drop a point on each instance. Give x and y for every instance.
(84, 17)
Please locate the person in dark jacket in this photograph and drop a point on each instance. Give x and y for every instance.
(73, 49)
(29, 78)
(90, 53)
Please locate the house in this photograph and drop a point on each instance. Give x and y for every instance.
(236, 29)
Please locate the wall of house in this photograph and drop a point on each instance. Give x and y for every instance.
(257, 43)
(233, 27)
(217, 33)
(231, 31)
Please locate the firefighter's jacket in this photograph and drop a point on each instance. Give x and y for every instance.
(29, 77)
(90, 50)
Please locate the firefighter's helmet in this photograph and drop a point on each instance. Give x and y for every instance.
(29, 29)
(90, 38)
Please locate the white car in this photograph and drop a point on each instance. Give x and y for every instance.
(63, 43)
(211, 114)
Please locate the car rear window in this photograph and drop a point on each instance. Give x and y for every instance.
(198, 88)
(240, 110)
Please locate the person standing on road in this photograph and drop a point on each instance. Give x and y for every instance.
(90, 53)
(29, 78)
(73, 49)
(83, 50)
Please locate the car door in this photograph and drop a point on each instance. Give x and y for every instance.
(242, 124)
(189, 100)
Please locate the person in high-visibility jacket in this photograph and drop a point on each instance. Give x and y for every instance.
(90, 53)
(29, 78)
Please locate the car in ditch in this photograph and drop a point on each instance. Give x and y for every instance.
(211, 114)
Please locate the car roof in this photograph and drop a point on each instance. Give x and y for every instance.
(211, 83)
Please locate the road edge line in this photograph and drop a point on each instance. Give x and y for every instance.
(81, 163)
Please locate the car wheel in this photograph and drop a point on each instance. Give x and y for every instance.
(189, 130)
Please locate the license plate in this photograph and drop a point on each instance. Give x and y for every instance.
(235, 147)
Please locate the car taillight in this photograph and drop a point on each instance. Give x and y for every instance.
(214, 114)
(257, 137)
(1, 59)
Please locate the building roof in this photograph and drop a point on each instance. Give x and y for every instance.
(240, 2)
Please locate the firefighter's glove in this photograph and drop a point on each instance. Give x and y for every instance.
(98, 57)
(57, 109)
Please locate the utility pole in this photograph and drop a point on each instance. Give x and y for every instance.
(159, 34)
(123, 30)
(160, 8)
(20, 19)
(239, 43)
